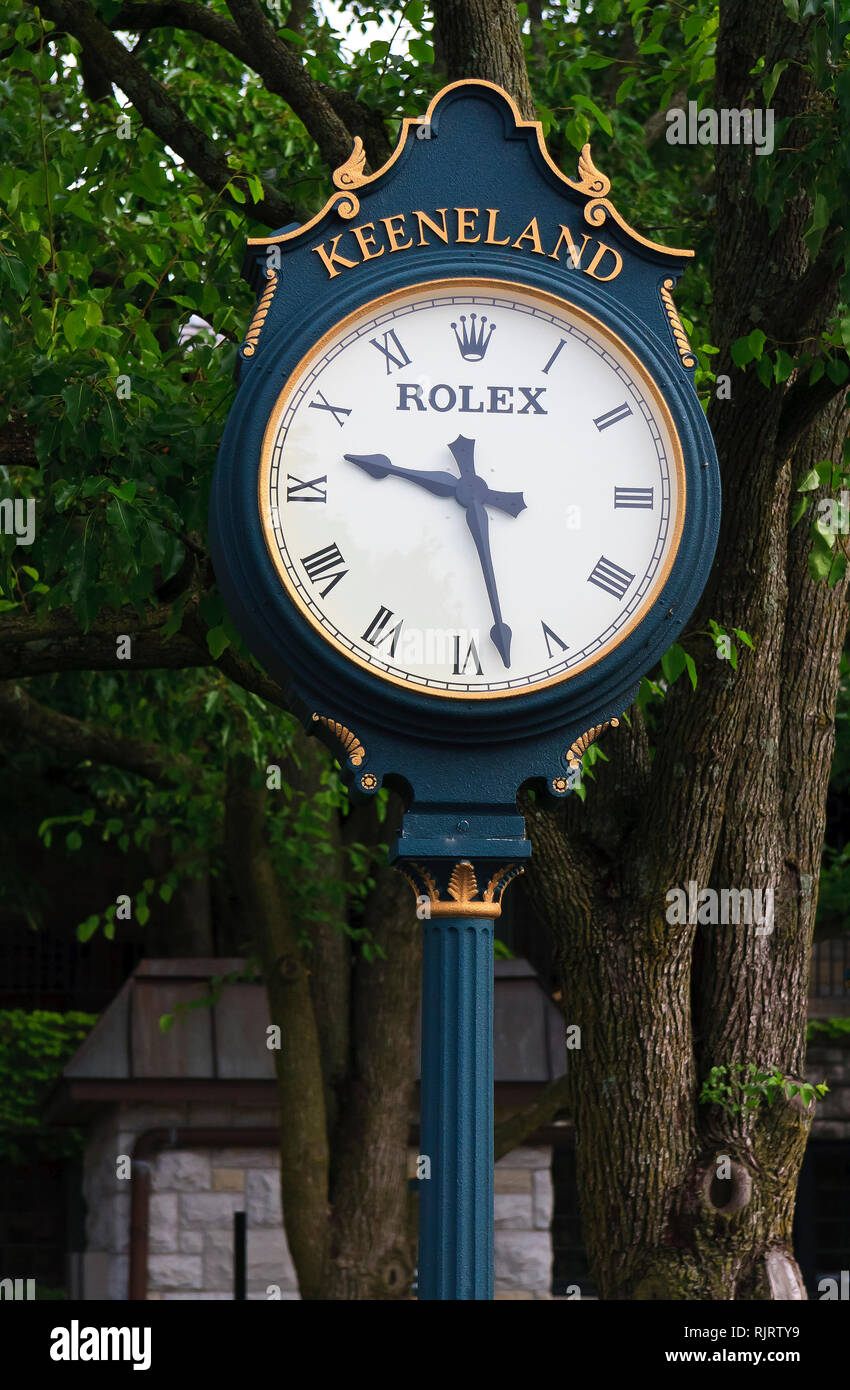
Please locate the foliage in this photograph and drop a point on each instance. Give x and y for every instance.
(738, 1088)
(33, 1049)
(820, 1030)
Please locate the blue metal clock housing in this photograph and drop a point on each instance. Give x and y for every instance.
(508, 207)
(470, 197)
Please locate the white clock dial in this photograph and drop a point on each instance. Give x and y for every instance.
(472, 488)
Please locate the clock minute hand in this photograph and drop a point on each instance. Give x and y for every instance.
(479, 525)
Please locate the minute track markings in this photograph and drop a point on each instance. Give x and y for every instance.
(657, 504)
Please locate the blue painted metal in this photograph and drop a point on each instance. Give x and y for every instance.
(458, 765)
(456, 1124)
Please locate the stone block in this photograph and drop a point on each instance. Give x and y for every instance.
(181, 1171)
(162, 1223)
(527, 1157)
(512, 1179)
(209, 1209)
(246, 1158)
(269, 1261)
(513, 1210)
(228, 1180)
(191, 1242)
(523, 1260)
(544, 1198)
(262, 1198)
(174, 1272)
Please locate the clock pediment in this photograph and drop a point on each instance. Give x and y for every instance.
(469, 184)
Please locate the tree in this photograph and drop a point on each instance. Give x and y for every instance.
(127, 216)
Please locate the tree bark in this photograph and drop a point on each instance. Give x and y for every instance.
(482, 38)
(734, 798)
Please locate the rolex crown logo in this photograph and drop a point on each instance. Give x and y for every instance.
(473, 340)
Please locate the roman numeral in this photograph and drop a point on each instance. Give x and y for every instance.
(380, 631)
(322, 564)
(633, 497)
(561, 344)
(612, 417)
(547, 633)
(306, 492)
(471, 651)
(337, 411)
(392, 360)
(610, 577)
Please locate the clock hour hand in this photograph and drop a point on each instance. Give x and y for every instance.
(379, 466)
(479, 525)
(441, 484)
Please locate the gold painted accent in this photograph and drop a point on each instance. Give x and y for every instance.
(576, 749)
(352, 747)
(687, 356)
(450, 286)
(590, 182)
(350, 174)
(560, 784)
(249, 347)
(463, 890)
(368, 781)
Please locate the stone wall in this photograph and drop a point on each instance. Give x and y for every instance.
(194, 1194)
(523, 1241)
(193, 1197)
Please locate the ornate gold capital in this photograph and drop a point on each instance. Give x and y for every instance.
(461, 898)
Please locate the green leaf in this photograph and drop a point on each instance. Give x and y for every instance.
(75, 326)
(673, 663)
(87, 929)
(217, 641)
(127, 491)
(143, 913)
(692, 670)
(73, 840)
(579, 99)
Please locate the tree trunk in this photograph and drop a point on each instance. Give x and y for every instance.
(482, 38)
(682, 1200)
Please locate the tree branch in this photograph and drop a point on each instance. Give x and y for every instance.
(139, 18)
(81, 741)
(795, 307)
(38, 646)
(285, 75)
(801, 407)
(278, 69)
(159, 110)
(510, 1133)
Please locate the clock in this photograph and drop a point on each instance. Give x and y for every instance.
(471, 489)
(467, 496)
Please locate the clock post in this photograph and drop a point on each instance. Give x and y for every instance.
(465, 499)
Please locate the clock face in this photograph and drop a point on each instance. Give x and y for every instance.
(472, 489)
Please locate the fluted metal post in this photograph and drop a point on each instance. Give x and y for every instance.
(456, 1201)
